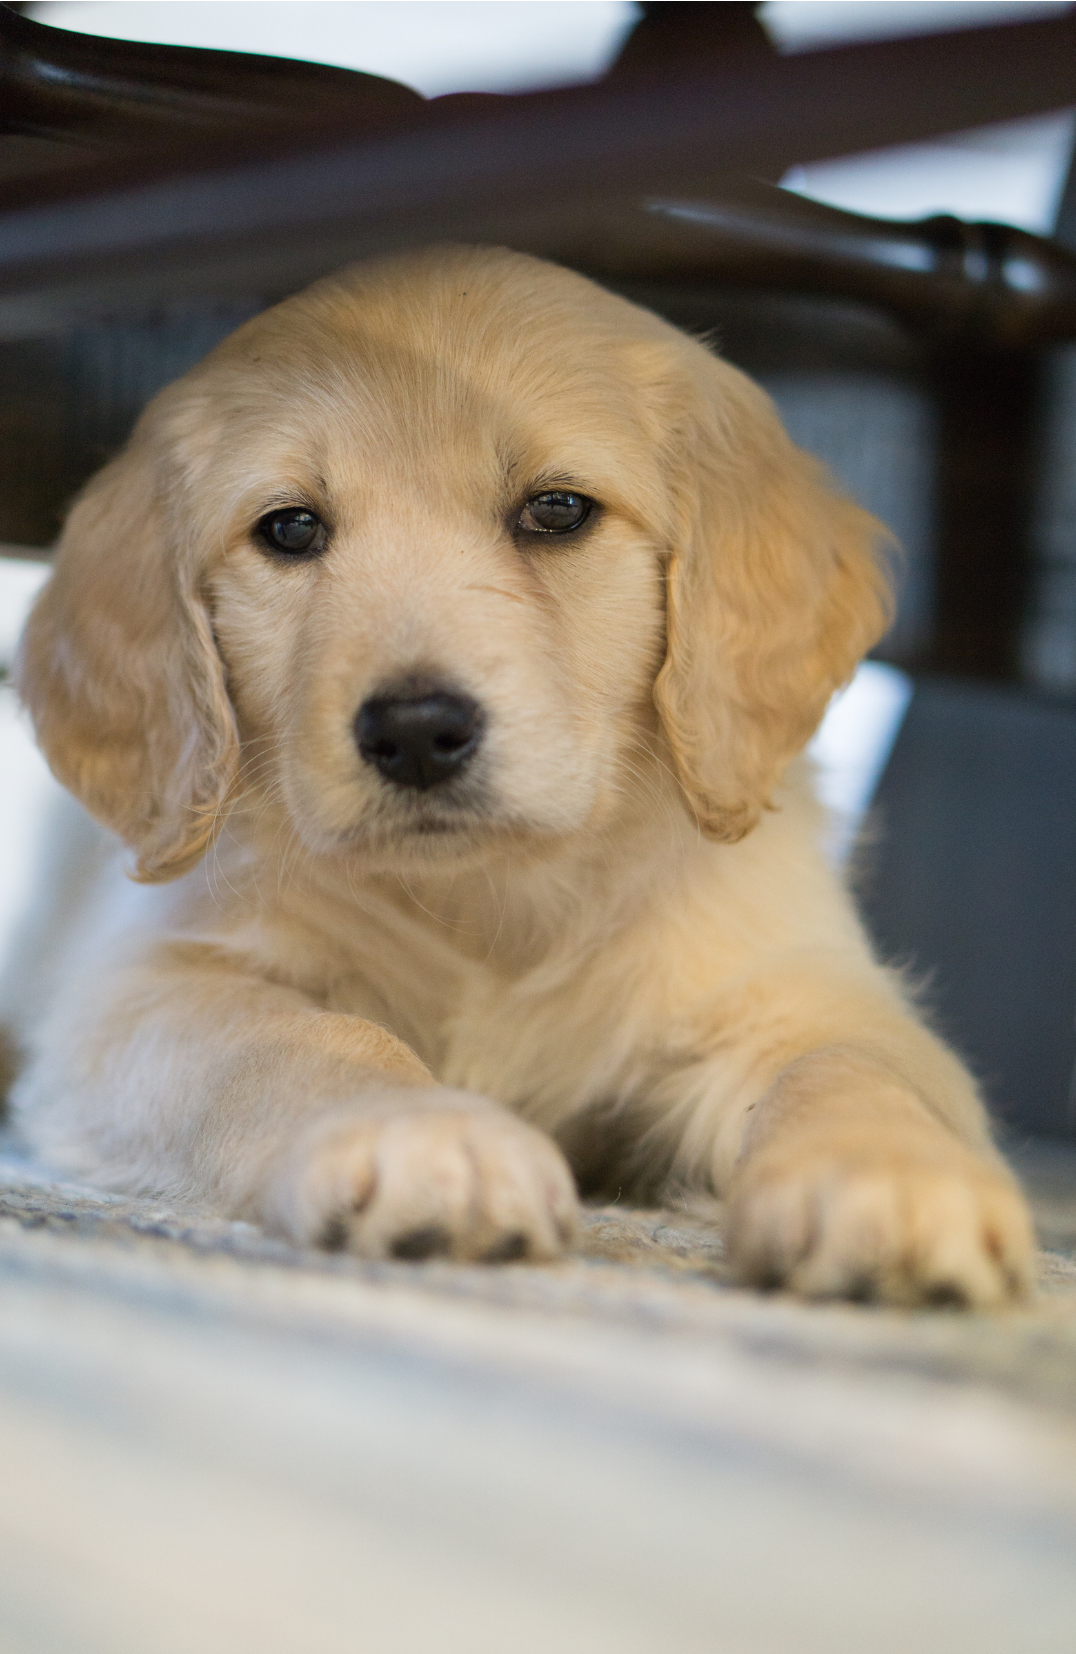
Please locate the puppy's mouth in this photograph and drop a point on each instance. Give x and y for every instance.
(468, 811)
(428, 786)
(426, 824)
(450, 827)
(435, 828)
(458, 810)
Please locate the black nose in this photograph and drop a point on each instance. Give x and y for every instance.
(418, 740)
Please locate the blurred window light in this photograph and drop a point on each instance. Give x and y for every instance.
(851, 749)
(809, 25)
(21, 578)
(27, 790)
(436, 46)
(1011, 173)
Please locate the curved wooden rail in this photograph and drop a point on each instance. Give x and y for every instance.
(988, 284)
(365, 166)
(115, 94)
(177, 172)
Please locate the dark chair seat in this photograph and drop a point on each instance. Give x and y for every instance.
(971, 880)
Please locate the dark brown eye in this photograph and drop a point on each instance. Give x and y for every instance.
(558, 512)
(295, 531)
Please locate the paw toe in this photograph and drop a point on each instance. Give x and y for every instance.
(462, 1180)
(906, 1236)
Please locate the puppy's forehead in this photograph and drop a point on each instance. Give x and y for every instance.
(464, 339)
(470, 373)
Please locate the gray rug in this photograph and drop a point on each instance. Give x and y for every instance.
(212, 1440)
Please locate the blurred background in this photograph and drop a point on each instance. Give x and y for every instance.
(988, 919)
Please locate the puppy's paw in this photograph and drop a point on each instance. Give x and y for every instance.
(427, 1173)
(899, 1223)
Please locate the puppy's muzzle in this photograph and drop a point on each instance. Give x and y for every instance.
(419, 739)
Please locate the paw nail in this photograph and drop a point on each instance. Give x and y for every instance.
(946, 1295)
(334, 1235)
(508, 1250)
(421, 1243)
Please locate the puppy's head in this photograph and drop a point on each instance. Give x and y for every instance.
(433, 556)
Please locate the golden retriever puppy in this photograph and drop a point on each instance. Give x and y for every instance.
(441, 646)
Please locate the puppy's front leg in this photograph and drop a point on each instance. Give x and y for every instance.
(849, 1143)
(849, 1185)
(183, 1076)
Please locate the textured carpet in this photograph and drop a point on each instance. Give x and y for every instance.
(662, 1270)
(213, 1440)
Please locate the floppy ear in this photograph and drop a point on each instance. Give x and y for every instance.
(774, 591)
(122, 679)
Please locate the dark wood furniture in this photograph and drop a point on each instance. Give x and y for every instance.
(132, 175)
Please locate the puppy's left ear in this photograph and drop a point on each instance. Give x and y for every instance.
(775, 589)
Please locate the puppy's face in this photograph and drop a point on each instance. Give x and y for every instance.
(438, 590)
(426, 558)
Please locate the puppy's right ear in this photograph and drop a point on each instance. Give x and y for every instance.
(121, 676)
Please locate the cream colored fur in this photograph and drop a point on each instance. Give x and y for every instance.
(366, 1017)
